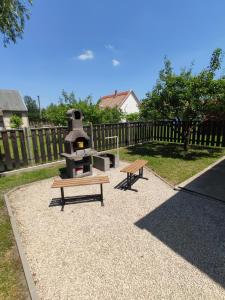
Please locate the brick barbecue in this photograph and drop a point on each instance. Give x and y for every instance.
(78, 151)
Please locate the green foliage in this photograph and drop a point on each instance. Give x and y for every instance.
(13, 14)
(33, 110)
(186, 96)
(16, 121)
(56, 113)
(132, 117)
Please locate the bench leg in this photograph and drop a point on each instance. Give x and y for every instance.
(62, 199)
(129, 181)
(101, 195)
(141, 172)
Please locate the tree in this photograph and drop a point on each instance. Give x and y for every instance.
(56, 113)
(33, 110)
(186, 96)
(16, 121)
(132, 117)
(13, 14)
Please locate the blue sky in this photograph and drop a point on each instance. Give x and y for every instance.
(93, 47)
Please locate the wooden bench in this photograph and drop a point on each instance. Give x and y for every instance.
(132, 168)
(62, 183)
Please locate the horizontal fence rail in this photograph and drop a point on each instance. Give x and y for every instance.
(30, 146)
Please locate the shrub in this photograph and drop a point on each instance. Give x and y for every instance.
(16, 121)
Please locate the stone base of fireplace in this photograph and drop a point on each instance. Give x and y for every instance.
(80, 168)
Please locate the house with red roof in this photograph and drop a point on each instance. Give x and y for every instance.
(127, 101)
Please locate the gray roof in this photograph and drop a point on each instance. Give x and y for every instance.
(11, 100)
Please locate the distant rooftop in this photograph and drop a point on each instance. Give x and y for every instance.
(11, 100)
(115, 100)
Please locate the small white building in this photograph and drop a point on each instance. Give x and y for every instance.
(126, 101)
(11, 103)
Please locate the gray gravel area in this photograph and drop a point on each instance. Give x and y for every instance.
(152, 244)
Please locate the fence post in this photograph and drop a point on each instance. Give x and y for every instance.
(91, 132)
(27, 134)
(128, 133)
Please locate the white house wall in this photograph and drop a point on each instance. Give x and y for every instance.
(130, 105)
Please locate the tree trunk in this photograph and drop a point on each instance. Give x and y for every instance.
(187, 134)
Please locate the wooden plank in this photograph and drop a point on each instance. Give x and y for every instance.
(223, 134)
(48, 144)
(171, 131)
(15, 148)
(179, 126)
(102, 128)
(123, 135)
(80, 181)
(23, 148)
(218, 133)
(208, 133)
(42, 145)
(213, 135)
(7, 152)
(135, 166)
(2, 165)
(99, 143)
(113, 134)
(60, 139)
(193, 133)
(167, 131)
(175, 132)
(135, 133)
(199, 129)
(106, 135)
(109, 135)
(54, 143)
(95, 137)
(35, 146)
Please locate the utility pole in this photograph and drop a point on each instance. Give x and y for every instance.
(39, 105)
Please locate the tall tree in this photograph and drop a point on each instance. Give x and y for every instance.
(13, 14)
(33, 109)
(186, 96)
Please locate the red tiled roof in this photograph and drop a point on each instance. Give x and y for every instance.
(115, 100)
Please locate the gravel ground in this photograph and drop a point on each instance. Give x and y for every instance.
(153, 244)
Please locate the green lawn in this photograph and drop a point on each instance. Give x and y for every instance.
(170, 161)
(12, 281)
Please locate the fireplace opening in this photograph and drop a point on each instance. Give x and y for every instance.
(80, 143)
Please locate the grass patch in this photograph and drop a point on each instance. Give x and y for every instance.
(170, 161)
(12, 281)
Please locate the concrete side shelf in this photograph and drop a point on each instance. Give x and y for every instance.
(105, 161)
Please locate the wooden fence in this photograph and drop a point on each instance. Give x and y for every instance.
(21, 148)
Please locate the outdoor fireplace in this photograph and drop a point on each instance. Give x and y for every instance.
(78, 151)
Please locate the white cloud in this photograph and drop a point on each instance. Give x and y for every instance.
(110, 47)
(87, 54)
(115, 62)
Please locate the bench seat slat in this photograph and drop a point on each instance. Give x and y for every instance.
(135, 166)
(79, 181)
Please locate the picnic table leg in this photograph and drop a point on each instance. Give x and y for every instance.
(101, 196)
(63, 199)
